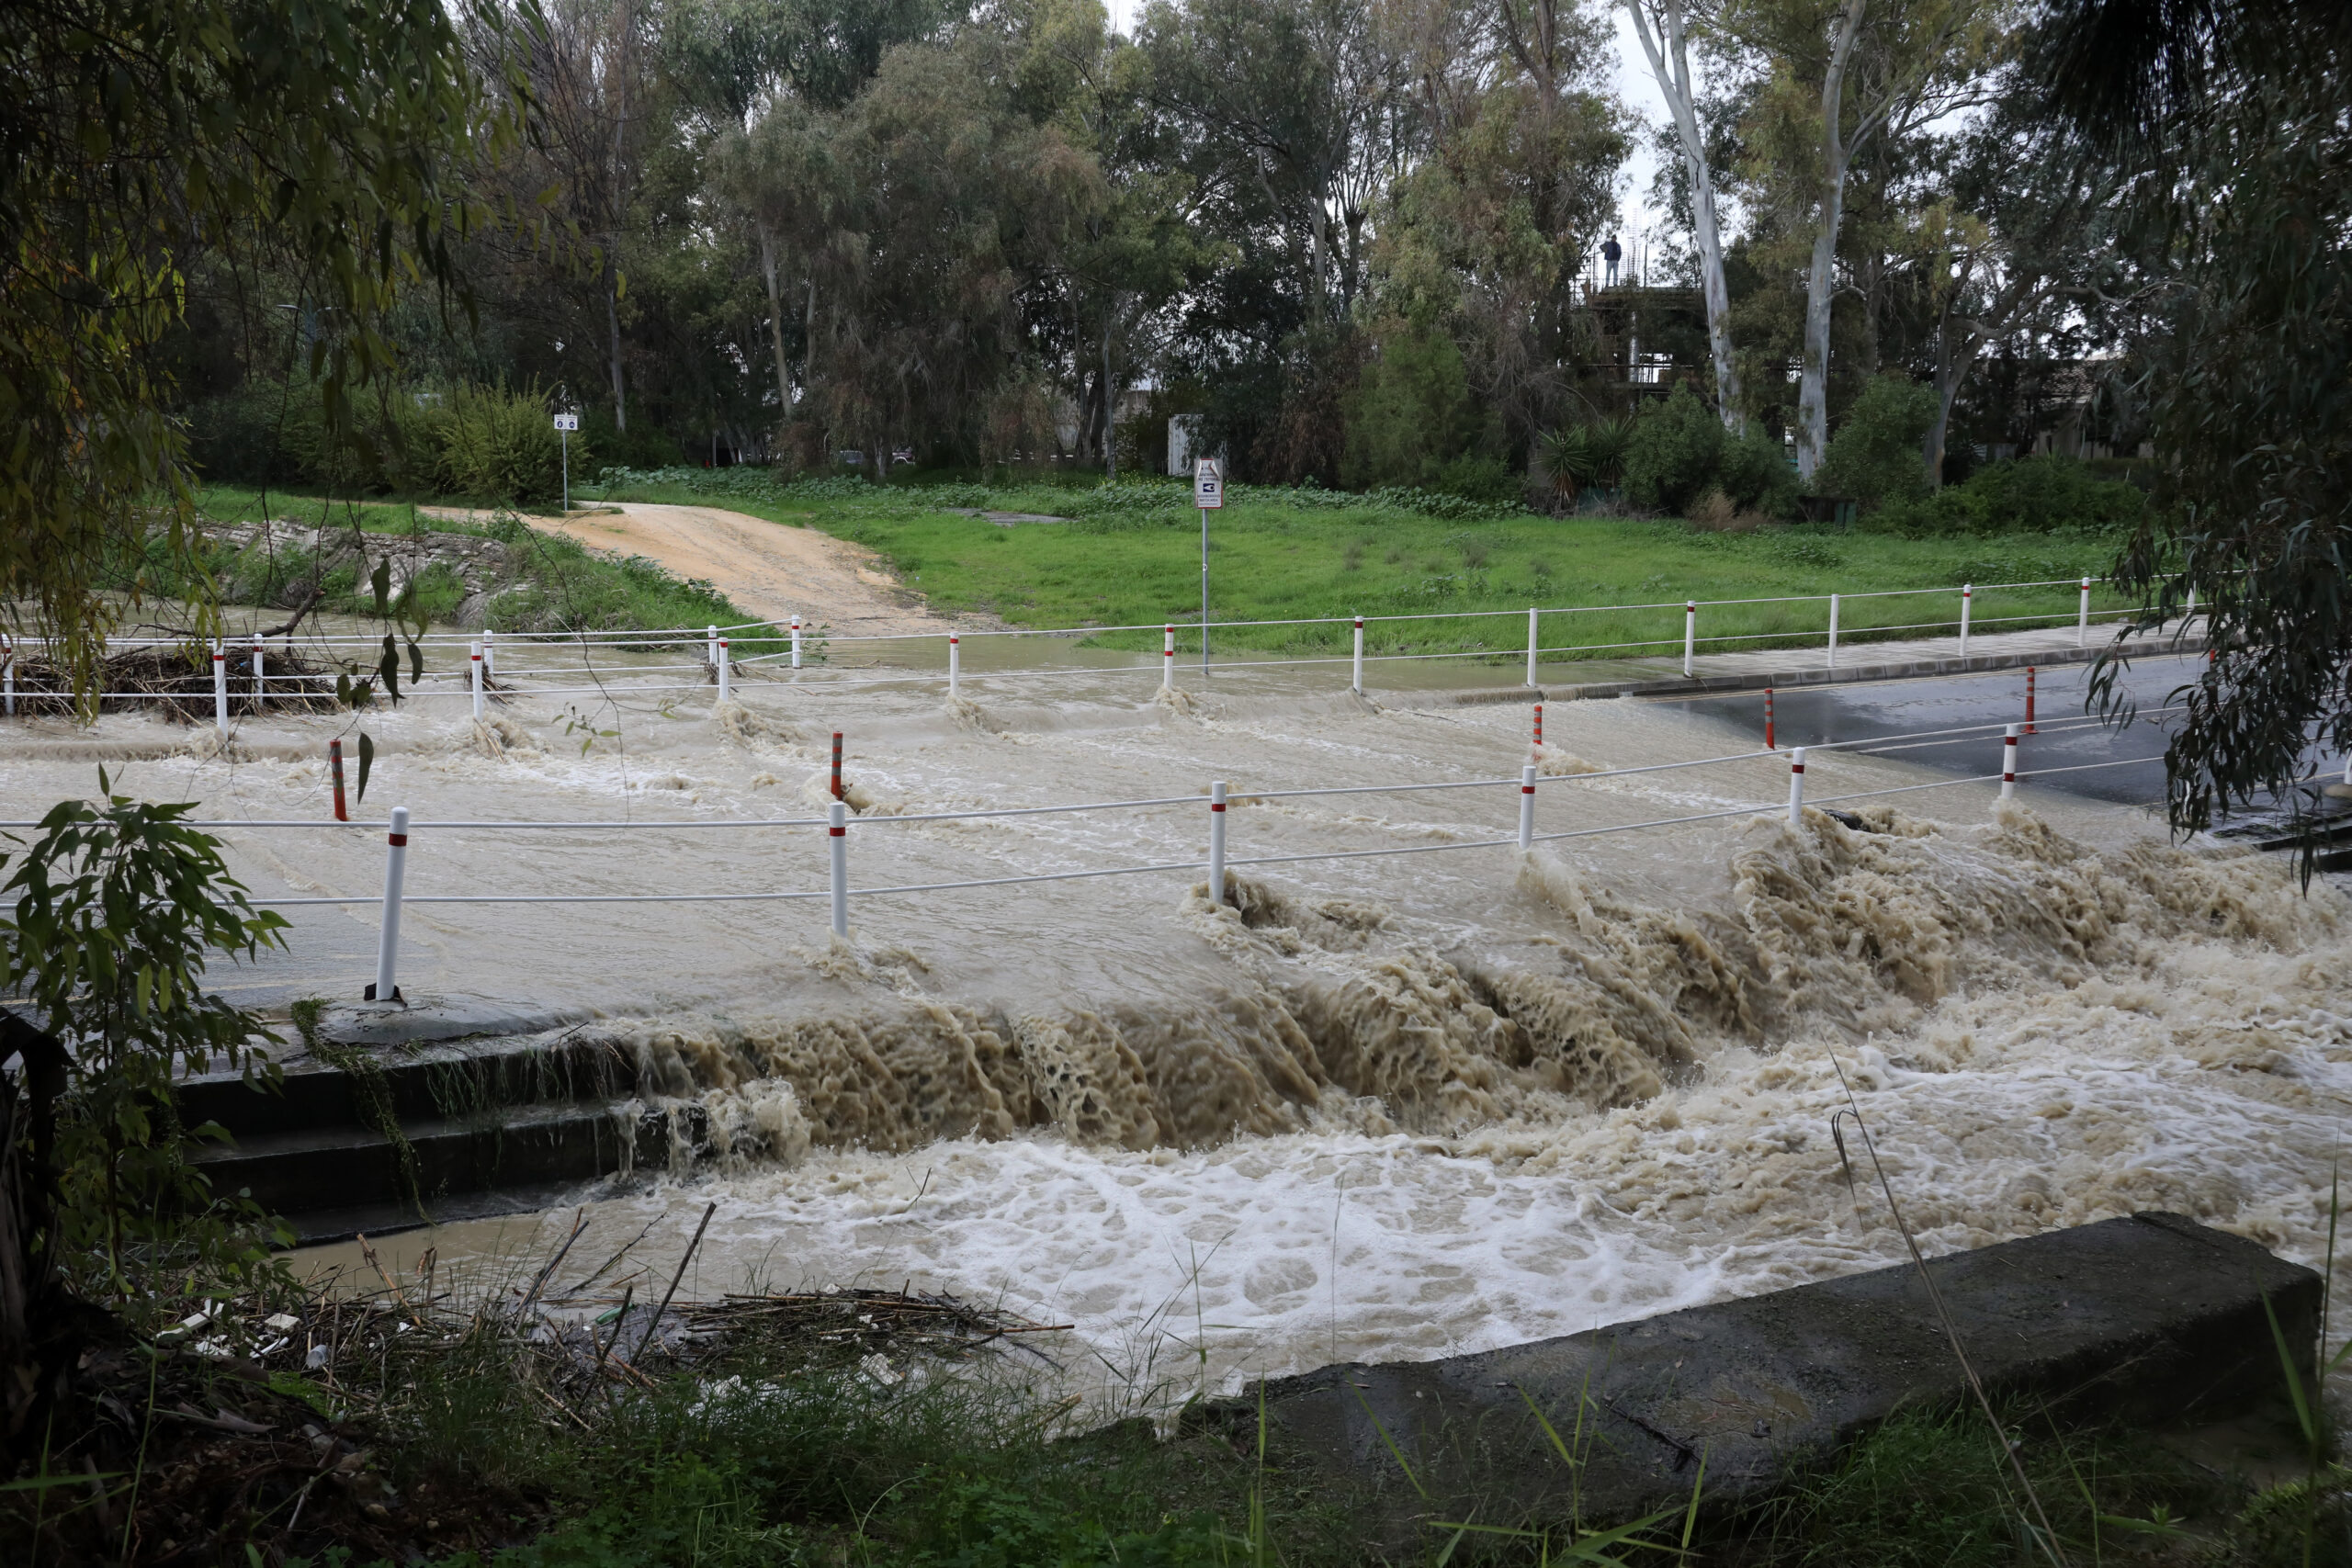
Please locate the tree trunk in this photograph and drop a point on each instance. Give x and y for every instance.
(613, 327)
(37, 1330)
(1110, 401)
(1670, 64)
(775, 324)
(1813, 389)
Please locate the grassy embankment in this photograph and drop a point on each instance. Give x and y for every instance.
(1131, 556)
(456, 1433)
(556, 584)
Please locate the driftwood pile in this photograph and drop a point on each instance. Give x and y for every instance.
(177, 682)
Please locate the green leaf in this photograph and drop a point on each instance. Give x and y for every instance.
(389, 671)
(416, 663)
(366, 760)
(382, 581)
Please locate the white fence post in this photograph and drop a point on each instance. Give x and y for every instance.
(8, 673)
(1166, 658)
(489, 651)
(1967, 602)
(795, 642)
(1796, 787)
(1356, 683)
(1532, 615)
(710, 648)
(1833, 631)
(220, 687)
(1690, 632)
(837, 832)
(473, 675)
(388, 941)
(2083, 617)
(1217, 842)
(260, 687)
(954, 664)
(2009, 763)
(1527, 807)
(725, 672)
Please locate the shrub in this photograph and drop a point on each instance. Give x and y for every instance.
(2029, 495)
(499, 444)
(1877, 455)
(1675, 453)
(1410, 414)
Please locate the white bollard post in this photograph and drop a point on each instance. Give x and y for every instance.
(1531, 613)
(473, 675)
(1527, 807)
(8, 673)
(1796, 787)
(260, 687)
(2009, 763)
(489, 652)
(1217, 842)
(2189, 613)
(795, 642)
(388, 942)
(954, 664)
(1356, 683)
(1967, 602)
(710, 648)
(725, 672)
(1167, 659)
(1833, 631)
(2083, 617)
(1690, 633)
(837, 830)
(220, 687)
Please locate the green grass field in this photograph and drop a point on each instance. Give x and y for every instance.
(1136, 560)
(1130, 555)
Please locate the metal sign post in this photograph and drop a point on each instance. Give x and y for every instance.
(1208, 494)
(565, 423)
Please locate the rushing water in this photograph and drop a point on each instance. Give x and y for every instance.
(1379, 1107)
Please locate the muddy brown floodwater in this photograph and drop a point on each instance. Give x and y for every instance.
(1378, 1108)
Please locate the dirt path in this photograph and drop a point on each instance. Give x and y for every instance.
(770, 568)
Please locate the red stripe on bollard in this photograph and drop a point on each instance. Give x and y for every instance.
(398, 840)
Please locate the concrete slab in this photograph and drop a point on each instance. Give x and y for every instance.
(2153, 1318)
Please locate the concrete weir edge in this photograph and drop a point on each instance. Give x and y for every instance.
(2153, 1318)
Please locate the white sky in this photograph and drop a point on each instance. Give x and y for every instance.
(1634, 84)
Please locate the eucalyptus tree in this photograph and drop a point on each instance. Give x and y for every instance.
(1838, 78)
(2232, 124)
(1665, 28)
(335, 140)
(1513, 186)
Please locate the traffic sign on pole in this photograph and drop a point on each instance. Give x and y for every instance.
(1208, 494)
(565, 423)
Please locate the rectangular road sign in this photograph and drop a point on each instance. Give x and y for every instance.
(567, 421)
(1208, 484)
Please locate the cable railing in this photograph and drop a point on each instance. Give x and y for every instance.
(401, 828)
(249, 683)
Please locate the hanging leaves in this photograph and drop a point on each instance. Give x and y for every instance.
(388, 668)
(380, 580)
(366, 760)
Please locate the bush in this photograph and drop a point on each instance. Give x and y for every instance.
(497, 444)
(2029, 495)
(1410, 414)
(1679, 451)
(1878, 453)
(1676, 451)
